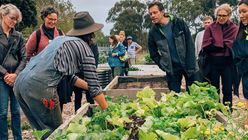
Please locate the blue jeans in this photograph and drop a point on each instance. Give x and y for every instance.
(6, 94)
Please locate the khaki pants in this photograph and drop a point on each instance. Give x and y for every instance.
(132, 61)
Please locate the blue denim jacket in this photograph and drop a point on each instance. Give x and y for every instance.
(114, 61)
(39, 81)
(37, 68)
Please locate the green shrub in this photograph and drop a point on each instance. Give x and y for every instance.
(148, 59)
(102, 58)
(133, 69)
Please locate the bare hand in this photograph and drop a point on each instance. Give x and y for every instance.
(114, 54)
(10, 79)
(100, 99)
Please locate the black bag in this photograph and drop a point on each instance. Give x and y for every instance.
(204, 66)
(202, 61)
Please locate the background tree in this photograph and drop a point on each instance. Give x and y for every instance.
(192, 11)
(128, 15)
(66, 12)
(28, 9)
(189, 10)
(101, 39)
(31, 13)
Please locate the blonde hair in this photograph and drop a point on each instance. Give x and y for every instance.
(122, 33)
(225, 7)
(5, 10)
(207, 18)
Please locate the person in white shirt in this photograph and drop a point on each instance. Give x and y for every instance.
(207, 20)
(132, 49)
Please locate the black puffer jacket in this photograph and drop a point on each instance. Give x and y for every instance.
(240, 55)
(159, 50)
(16, 60)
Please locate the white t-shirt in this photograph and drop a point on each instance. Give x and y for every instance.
(198, 43)
(131, 49)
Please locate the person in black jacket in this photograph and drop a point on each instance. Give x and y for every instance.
(171, 47)
(240, 50)
(12, 62)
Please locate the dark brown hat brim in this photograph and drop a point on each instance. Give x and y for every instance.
(87, 30)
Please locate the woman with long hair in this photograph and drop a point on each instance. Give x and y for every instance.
(116, 49)
(240, 49)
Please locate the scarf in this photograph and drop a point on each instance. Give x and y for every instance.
(220, 35)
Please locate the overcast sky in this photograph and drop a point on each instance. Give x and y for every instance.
(98, 9)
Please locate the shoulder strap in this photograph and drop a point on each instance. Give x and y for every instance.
(60, 32)
(12, 45)
(38, 34)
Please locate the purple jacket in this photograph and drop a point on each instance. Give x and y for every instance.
(219, 35)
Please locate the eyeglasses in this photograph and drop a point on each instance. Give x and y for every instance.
(52, 19)
(222, 16)
(12, 18)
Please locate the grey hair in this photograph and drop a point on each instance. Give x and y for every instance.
(5, 10)
(225, 7)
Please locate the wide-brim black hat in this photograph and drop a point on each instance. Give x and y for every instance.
(83, 24)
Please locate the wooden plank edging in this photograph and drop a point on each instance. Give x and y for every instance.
(81, 111)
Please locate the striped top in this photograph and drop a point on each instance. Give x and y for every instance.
(75, 56)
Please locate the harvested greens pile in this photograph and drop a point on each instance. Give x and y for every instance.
(173, 117)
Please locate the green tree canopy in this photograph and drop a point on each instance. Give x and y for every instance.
(133, 17)
(66, 12)
(128, 15)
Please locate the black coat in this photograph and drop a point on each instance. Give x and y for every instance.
(240, 55)
(16, 59)
(159, 49)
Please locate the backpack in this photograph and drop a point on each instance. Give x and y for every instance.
(38, 34)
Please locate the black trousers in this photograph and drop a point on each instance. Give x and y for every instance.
(78, 97)
(175, 80)
(221, 67)
(64, 91)
(245, 84)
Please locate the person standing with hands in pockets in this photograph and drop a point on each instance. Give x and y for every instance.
(171, 47)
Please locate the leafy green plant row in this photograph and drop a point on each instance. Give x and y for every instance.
(175, 116)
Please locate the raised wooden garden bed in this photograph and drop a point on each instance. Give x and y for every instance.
(80, 112)
(130, 85)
